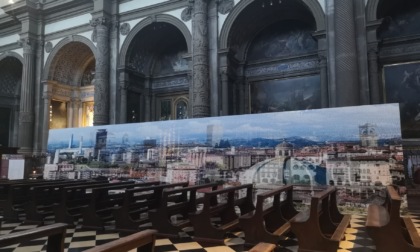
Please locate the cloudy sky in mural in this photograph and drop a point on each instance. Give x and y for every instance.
(318, 125)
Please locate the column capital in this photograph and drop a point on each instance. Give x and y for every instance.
(100, 21)
(28, 44)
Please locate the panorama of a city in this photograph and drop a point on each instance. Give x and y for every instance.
(357, 149)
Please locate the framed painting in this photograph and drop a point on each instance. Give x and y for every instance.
(402, 85)
(290, 94)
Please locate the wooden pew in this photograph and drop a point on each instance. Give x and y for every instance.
(269, 222)
(138, 201)
(388, 230)
(323, 226)
(56, 234)
(186, 204)
(42, 199)
(144, 241)
(204, 229)
(18, 195)
(102, 203)
(74, 198)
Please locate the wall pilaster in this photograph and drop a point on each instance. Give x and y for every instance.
(26, 112)
(347, 86)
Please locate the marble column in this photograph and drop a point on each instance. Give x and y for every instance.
(201, 89)
(146, 109)
(77, 121)
(26, 112)
(373, 76)
(347, 85)
(225, 92)
(70, 113)
(101, 81)
(323, 72)
(123, 105)
(46, 96)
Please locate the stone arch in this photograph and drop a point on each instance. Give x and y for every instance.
(158, 18)
(60, 45)
(372, 10)
(313, 6)
(11, 54)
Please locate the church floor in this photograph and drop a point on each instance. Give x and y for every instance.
(78, 239)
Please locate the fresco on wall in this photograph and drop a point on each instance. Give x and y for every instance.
(403, 23)
(354, 148)
(402, 85)
(171, 61)
(286, 94)
(285, 39)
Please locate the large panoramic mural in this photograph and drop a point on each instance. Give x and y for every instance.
(357, 149)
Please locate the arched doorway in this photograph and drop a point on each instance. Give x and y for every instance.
(10, 84)
(274, 64)
(68, 86)
(156, 73)
(399, 59)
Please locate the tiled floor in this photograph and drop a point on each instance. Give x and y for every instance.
(79, 240)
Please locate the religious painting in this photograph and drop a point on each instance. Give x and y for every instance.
(412, 162)
(402, 22)
(278, 95)
(402, 85)
(280, 40)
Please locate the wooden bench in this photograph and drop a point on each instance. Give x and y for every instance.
(102, 203)
(144, 241)
(269, 221)
(388, 230)
(137, 202)
(323, 226)
(185, 204)
(19, 194)
(43, 197)
(74, 198)
(56, 234)
(205, 229)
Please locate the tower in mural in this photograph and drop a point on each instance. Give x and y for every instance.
(214, 134)
(368, 135)
(100, 144)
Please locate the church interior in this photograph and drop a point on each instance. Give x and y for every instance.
(209, 125)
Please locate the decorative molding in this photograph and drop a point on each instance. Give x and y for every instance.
(186, 14)
(397, 50)
(61, 92)
(99, 21)
(281, 68)
(174, 82)
(48, 47)
(125, 29)
(225, 6)
(94, 36)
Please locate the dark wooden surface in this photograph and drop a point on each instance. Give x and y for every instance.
(204, 229)
(388, 230)
(136, 204)
(184, 205)
(323, 226)
(56, 234)
(269, 221)
(144, 241)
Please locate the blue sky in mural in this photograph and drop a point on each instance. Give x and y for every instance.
(321, 125)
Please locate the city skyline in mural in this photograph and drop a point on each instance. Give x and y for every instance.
(321, 125)
(357, 149)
